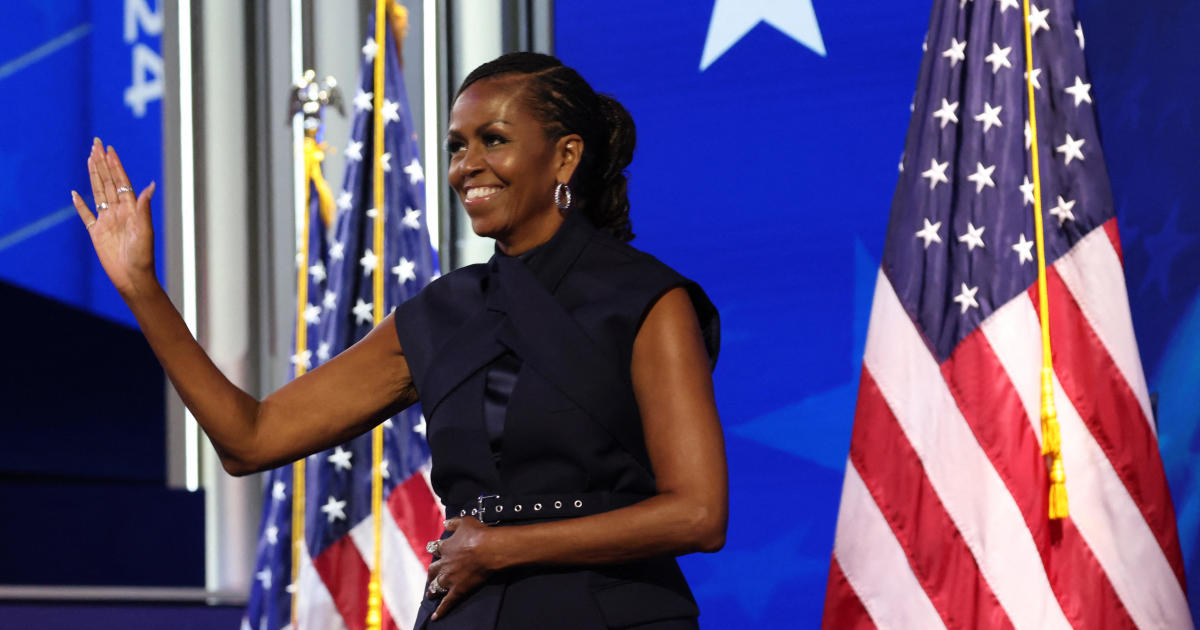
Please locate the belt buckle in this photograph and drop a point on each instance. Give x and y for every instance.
(480, 507)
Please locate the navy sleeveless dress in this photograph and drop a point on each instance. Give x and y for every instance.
(523, 370)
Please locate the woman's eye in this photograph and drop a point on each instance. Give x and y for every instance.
(453, 146)
(492, 140)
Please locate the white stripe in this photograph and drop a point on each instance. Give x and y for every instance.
(402, 580)
(1106, 516)
(44, 50)
(1092, 272)
(972, 492)
(875, 565)
(314, 605)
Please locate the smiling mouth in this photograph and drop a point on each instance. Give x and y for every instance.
(478, 193)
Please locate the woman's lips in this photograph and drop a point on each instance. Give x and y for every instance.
(478, 194)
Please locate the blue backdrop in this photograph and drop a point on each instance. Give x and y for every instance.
(767, 157)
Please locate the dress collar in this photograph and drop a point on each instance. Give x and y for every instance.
(550, 260)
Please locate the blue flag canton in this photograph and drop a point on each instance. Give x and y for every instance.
(961, 234)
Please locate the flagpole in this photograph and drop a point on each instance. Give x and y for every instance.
(1051, 438)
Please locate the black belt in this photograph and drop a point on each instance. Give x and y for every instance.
(492, 508)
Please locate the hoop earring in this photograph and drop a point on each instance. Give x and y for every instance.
(561, 191)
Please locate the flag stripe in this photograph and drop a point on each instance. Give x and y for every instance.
(973, 493)
(419, 515)
(401, 587)
(346, 576)
(874, 564)
(1000, 421)
(941, 561)
(315, 609)
(843, 610)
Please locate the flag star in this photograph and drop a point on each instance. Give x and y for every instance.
(936, 173)
(353, 152)
(368, 261)
(982, 176)
(1079, 33)
(364, 312)
(973, 238)
(966, 298)
(414, 172)
(946, 113)
(1009, 4)
(1028, 135)
(1033, 78)
(370, 48)
(318, 272)
(334, 509)
(345, 200)
(1081, 91)
(372, 213)
(302, 358)
(387, 424)
(733, 19)
(363, 101)
(323, 351)
(929, 233)
(299, 259)
(341, 458)
(385, 161)
(383, 468)
(1037, 19)
(391, 111)
(1063, 211)
(990, 117)
(291, 588)
(264, 576)
(272, 534)
(956, 52)
(1024, 250)
(419, 427)
(278, 491)
(1026, 189)
(998, 57)
(329, 301)
(312, 314)
(405, 270)
(411, 217)
(962, 3)
(1070, 149)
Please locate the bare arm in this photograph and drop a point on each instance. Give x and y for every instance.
(356, 390)
(683, 436)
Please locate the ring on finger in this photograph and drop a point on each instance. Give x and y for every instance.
(435, 587)
(103, 205)
(434, 547)
(127, 189)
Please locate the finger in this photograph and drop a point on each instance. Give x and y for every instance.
(81, 207)
(448, 601)
(94, 174)
(118, 172)
(143, 199)
(452, 524)
(435, 568)
(110, 189)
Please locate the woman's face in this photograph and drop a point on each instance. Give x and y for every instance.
(503, 166)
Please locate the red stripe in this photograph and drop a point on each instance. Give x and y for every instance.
(940, 558)
(994, 411)
(1111, 412)
(843, 610)
(346, 576)
(418, 514)
(388, 622)
(1114, 237)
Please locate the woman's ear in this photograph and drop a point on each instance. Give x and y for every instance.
(568, 151)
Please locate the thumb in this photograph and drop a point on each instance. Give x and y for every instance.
(145, 196)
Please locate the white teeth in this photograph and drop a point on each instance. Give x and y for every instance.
(481, 191)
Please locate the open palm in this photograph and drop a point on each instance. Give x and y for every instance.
(121, 231)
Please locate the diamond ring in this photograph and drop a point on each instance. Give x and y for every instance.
(436, 588)
(433, 547)
(103, 205)
(127, 189)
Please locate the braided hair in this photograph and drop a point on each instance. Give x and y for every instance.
(562, 101)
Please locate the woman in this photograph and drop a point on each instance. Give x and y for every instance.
(566, 383)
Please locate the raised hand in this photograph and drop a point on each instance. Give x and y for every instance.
(121, 231)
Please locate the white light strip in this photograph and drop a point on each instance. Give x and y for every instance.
(187, 219)
(430, 90)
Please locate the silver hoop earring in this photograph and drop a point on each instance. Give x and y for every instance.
(562, 196)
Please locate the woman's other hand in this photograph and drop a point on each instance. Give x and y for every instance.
(463, 564)
(121, 231)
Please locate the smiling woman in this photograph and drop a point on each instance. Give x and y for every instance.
(566, 383)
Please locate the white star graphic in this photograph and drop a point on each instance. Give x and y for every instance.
(1037, 84)
(353, 151)
(385, 162)
(391, 111)
(368, 262)
(329, 301)
(998, 57)
(982, 176)
(318, 272)
(264, 576)
(733, 19)
(946, 113)
(345, 200)
(1024, 250)
(312, 314)
(411, 217)
(990, 117)
(383, 468)
(334, 509)
(323, 352)
(272, 534)
(1037, 19)
(364, 312)
(1071, 149)
(1026, 189)
(956, 52)
(414, 172)
(966, 298)
(1009, 4)
(337, 250)
(341, 458)
(1063, 211)
(929, 233)
(405, 270)
(936, 173)
(419, 427)
(973, 238)
(372, 213)
(302, 358)
(1081, 91)
(1079, 33)
(278, 491)
(370, 48)
(363, 101)
(388, 424)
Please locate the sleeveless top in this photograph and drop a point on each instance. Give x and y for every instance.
(523, 372)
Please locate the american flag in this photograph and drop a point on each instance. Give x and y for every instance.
(943, 519)
(331, 590)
